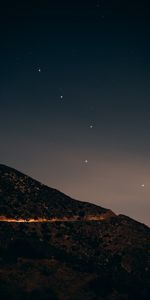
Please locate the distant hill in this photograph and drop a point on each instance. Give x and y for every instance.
(86, 259)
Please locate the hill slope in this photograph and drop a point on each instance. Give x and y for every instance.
(83, 260)
(23, 197)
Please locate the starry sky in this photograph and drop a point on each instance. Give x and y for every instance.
(75, 98)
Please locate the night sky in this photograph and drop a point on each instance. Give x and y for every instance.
(75, 98)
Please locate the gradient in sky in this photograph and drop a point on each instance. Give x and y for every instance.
(75, 98)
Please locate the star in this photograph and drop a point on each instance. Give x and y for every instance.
(61, 97)
(143, 185)
(39, 70)
(86, 161)
(91, 126)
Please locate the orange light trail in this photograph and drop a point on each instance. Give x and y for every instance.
(53, 220)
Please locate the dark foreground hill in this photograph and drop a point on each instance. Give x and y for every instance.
(107, 259)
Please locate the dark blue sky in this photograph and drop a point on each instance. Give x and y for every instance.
(93, 142)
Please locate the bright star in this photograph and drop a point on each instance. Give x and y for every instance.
(61, 97)
(39, 70)
(86, 161)
(143, 185)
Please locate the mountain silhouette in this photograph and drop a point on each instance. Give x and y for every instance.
(23, 197)
(55, 247)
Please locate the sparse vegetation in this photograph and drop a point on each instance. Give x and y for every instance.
(106, 260)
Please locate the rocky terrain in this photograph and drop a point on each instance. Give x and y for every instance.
(21, 197)
(106, 259)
